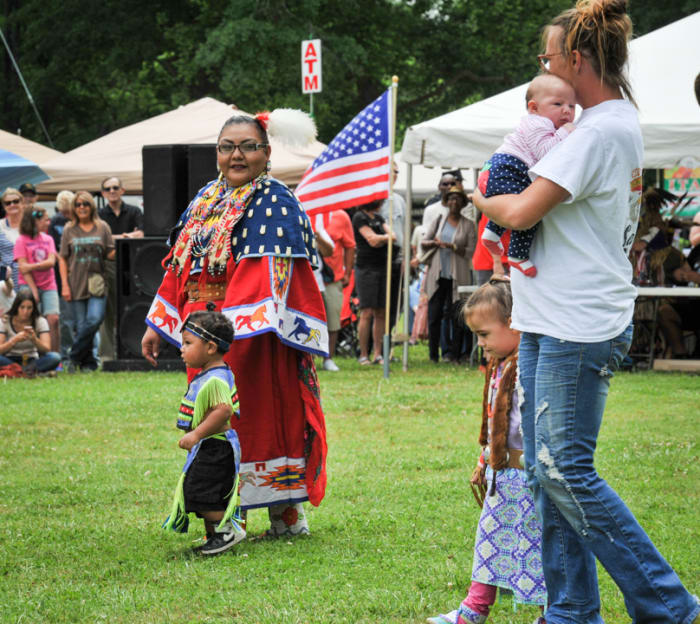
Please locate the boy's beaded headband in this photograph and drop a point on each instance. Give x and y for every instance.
(202, 333)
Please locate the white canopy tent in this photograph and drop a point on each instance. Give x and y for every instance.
(424, 183)
(119, 153)
(662, 70)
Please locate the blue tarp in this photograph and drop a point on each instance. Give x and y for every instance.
(15, 170)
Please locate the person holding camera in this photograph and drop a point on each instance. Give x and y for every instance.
(24, 337)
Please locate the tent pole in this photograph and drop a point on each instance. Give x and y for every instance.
(387, 314)
(406, 258)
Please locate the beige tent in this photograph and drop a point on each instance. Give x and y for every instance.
(35, 152)
(119, 153)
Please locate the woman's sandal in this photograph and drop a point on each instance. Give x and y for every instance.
(378, 360)
(364, 361)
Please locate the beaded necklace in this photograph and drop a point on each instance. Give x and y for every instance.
(206, 234)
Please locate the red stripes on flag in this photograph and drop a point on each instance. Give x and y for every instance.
(358, 200)
(346, 182)
(339, 188)
(344, 170)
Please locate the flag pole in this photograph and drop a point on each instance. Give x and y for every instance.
(387, 312)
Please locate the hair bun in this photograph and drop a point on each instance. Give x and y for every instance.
(211, 306)
(615, 7)
(599, 10)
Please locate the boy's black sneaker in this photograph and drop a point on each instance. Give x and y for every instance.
(222, 541)
(202, 541)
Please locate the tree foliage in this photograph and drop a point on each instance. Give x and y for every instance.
(95, 67)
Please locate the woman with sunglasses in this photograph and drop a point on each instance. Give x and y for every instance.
(245, 244)
(575, 322)
(9, 270)
(12, 203)
(85, 245)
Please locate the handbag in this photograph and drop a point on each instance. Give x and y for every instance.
(96, 285)
(427, 255)
(431, 252)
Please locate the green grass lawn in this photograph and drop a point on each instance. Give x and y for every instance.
(89, 464)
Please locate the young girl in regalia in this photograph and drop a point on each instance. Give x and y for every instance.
(508, 536)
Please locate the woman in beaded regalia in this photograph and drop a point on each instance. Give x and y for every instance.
(246, 244)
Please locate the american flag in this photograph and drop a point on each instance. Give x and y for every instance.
(354, 168)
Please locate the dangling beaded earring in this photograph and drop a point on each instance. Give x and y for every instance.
(268, 167)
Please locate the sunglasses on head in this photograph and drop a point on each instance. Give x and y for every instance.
(111, 188)
(9, 202)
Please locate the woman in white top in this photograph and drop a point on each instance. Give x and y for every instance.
(13, 205)
(575, 317)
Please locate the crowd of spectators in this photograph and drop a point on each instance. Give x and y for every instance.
(445, 253)
(62, 271)
(57, 277)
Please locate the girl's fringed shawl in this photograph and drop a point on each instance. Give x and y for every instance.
(498, 458)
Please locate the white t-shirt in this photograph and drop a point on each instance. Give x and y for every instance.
(417, 239)
(583, 290)
(432, 212)
(12, 234)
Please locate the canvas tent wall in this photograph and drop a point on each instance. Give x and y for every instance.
(662, 71)
(119, 153)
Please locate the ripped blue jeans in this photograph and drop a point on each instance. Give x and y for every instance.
(565, 386)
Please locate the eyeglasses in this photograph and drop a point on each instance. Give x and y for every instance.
(80, 204)
(246, 147)
(544, 59)
(12, 201)
(110, 188)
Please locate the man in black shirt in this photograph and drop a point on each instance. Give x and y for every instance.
(125, 221)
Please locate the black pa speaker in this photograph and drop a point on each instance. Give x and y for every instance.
(139, 274)
(165, 188)
(201, 166)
